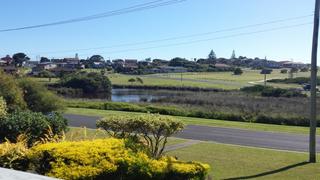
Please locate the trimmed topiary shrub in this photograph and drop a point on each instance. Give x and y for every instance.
(108, 159)
(151, 130)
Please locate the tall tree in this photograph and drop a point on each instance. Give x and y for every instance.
(44, 59)
(96, 58)
(233, 55)
(212, 55)
(19, 59)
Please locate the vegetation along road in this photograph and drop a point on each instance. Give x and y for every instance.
(280, 141)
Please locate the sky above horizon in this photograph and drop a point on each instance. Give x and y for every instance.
(129, 35)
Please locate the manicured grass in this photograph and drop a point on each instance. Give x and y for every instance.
(237, 162)
(76, 134)
(220, 80)
(223, 80)
(153, 80)
(200, 121)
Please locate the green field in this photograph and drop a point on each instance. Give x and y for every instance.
(222, 80)
(232, 161)
(200, 121)
(237, 162)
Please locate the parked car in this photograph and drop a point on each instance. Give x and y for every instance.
(307, 87)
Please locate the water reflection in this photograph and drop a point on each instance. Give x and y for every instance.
(137, 95)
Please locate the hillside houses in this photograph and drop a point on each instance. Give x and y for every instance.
(59, 66)
(290, 64)
(7, 60)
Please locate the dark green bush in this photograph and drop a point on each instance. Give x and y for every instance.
(35, 125)
(91, 83)
(293, 121)
(69, 92)
(237, 71)
(297, 80)
(253, 89)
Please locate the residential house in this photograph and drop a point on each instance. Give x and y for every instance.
(118, 63)
(31, 64)
(42, 67)
(7, 60)
(290, 64)
(173, 69)
(221, 66)
(131, 63)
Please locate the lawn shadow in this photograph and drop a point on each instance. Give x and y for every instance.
(270, 172)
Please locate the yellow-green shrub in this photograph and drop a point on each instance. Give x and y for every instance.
(14, 155)
(108, 159)
(3, 108)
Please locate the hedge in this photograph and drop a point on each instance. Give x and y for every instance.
(108, 159)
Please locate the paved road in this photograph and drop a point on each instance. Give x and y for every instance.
(281, 141)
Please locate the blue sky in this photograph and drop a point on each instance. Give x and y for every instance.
(186, 18)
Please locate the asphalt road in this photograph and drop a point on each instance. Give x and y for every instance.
(280, 141)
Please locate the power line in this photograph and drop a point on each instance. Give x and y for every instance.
(139, 7)
(184, 36)
(211, 39)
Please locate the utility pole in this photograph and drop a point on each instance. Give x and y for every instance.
(314, 69)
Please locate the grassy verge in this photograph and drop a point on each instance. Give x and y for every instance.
(76, 134)
(237, 162)
(200, 121)
(198, 107)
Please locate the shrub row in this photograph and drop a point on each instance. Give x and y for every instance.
(297, 80)
(189, 112)
(122, 106)
(108, 159)
(269, 91)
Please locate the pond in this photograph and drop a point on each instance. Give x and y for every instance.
(139, 95)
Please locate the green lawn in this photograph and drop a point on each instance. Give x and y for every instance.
(200, 121)
(221, 80)
(237, 162)
(224, 80)
(231, 161)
